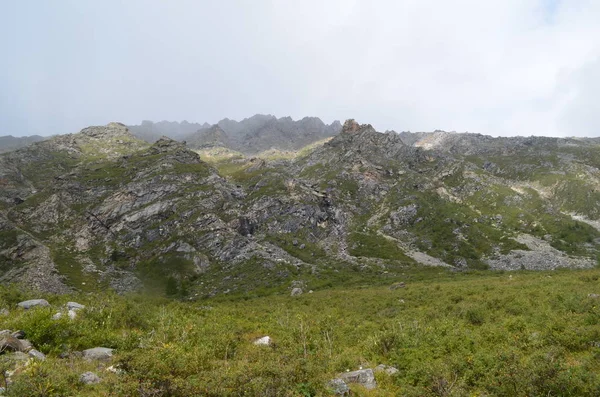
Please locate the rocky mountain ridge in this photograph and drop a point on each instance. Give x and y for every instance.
(248, 136)
(9, 143)
(104, 209)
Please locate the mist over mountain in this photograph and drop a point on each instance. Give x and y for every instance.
(9, 142)
(150, 131)
(249, 136)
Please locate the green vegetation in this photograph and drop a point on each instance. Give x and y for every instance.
(470, 334)
(375, 246)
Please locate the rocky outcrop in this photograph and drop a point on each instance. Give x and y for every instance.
(102, 209)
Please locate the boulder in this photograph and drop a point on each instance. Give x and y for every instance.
(338, 387)
(264, 341)
(33, 303)
(72, 314)
(296, 291)
(363, 377)
(11, 344)
(38, 355)
(115, 369)
(397, 285)
(98, 353)
(57, 316)
(387, 369)
(89, 378)
(19, 334)
(75, 306)
(27, 345)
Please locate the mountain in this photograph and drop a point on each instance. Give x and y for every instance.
(104, 209)
(260, 133)
(249, 136)
(149, 131)
(9, 142)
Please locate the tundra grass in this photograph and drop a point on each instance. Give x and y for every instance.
(467, 334)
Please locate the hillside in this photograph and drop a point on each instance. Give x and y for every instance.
(9, 142)
(103, 209)
(423, 333)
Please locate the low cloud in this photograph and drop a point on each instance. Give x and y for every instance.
(527, 67)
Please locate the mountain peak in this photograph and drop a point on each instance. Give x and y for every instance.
(350, 126)
(110, 130)
(166, 144)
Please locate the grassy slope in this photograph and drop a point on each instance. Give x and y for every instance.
(448, 334)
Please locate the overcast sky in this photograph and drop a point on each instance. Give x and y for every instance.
(498, 67)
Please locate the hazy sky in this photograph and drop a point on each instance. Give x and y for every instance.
(499, 67)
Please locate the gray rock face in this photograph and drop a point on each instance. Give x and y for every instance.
(263, 132)
(33, 303)
(349, 200)
(98, 353)
(338, 387)
(89, 378)
(363, 377)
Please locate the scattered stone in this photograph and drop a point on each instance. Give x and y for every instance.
(296, 291)
(338, 387)
(27, 345)
(10, 343)
(302, 246)
(68, 354)
(311, 291)
(75, 306)
(594, 296)
(397, 285)
(264, 341)
(98, 353)
(19, 334)
(57, 316)
(72, 314)
(363, 377)
(387, 369)
(114, 369)
(38, 355)
(33, 303)
(89, 378)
